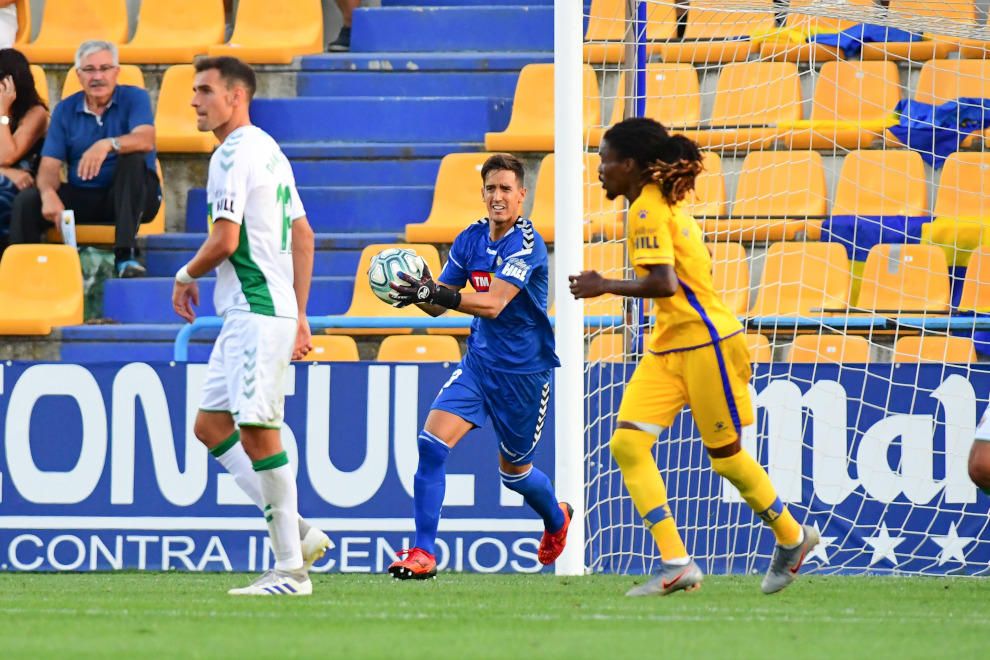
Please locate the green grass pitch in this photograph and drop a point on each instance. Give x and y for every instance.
(188, 615)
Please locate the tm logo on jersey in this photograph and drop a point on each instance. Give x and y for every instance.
(515, 268)
(646, 243)
(481, 280)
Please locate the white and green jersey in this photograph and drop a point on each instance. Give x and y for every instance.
(251, 183)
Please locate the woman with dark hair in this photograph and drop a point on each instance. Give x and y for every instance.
(696, 356)
(23, 124)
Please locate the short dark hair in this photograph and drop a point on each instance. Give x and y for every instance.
(504, 162)
(231, 70)
(673, 162)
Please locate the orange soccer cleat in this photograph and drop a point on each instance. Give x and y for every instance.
(417, 564)
(552, 544)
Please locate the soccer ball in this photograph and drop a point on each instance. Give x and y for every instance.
(386, 266)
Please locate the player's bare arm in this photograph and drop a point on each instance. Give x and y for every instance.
(219, 245)
(660, 282)
(302, 278)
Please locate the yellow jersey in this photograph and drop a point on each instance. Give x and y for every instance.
(695, 315)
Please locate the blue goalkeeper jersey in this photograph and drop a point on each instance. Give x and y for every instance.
(520, 339)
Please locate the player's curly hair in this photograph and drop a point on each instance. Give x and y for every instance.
(673, 162)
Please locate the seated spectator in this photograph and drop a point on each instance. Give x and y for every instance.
(105, 135)
(23, 122)
(8, 23)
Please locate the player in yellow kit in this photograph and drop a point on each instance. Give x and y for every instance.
(696, 355)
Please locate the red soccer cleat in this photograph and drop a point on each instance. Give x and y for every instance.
(417, 565)
(552, 544)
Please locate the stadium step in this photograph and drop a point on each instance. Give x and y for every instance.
(446, 28)
(148, 300)
(463, 3)
(332, 262)
(390, 119)
(324, 241)
(499, 84)
(425, 61)
(131, 342)
(340, 172)
(344, 209)
(376, 150)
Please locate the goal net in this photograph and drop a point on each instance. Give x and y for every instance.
(844, 200)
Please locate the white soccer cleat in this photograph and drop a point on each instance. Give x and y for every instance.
(314, 545)
(276, 583)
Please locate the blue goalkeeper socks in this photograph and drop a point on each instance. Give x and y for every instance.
(429, 486)
(536, 489)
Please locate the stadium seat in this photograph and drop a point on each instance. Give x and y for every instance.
(67, 23)
(175, 120)
(608, 259)
(802, 279)
(947, 80)
(673, 97)
(783, 49)
(852, 106)
(41, 83)
(129, 74)
(607, 347)
(751, 99)
(708, 197)
(40, 288)
(759, 346)
(365, 304)
(174, 32)
(976, 285)
(457, 199)
(905, 279)
(958, 350)
(730, 275)
(713, 36)
(419, 348)
(332, 348)
(531, 124)
(778, 195)
(23, 24)
(958, 11)
(882, 183)
(266, 34)
(601, 216)
(962, 207)
(105, 234)
(606, 33)
(829, 348)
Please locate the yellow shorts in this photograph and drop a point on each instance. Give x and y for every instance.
(713, 380)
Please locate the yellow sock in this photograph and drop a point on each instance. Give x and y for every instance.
(632, 451)
(754, 485)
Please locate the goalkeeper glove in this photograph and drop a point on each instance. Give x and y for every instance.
(424, 290)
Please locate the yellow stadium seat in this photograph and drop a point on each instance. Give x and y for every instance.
(457, 199)
(332, 348)
(105, 234)
(607, 347)
(829, 348)
(759, 346)
(976, 287)
(606, 33)
(419, 348)
(852, 106)
(23, 24)
(751, 99)
(266, 34)
(40, 82)
(175, 119)
(957, 11)
(174, 32)
(785, 50)
(531, 125)
(778, 195)
(67, 23)
(958, 350)
(708, 197)
(947, 80)
(905, 278)
(601, 216)
(962, 207)
(673, 98)
(365, 304)
(882, 183)
(40, 288)
(802, 279)
(130, 74)
(730, 275)
(609, 260)
(712, 36)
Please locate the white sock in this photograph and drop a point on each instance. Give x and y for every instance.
(236, 461)
(679, 561)
(278, 489)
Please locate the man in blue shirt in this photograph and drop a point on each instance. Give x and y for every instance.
(105, 135)
(505, 374)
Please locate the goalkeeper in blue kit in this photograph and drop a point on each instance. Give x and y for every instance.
(505, 374)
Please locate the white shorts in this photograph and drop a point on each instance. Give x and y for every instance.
(246, 372)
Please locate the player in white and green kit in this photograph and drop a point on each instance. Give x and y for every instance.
(261, 245)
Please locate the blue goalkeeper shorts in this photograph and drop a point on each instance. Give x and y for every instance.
(516, 404)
